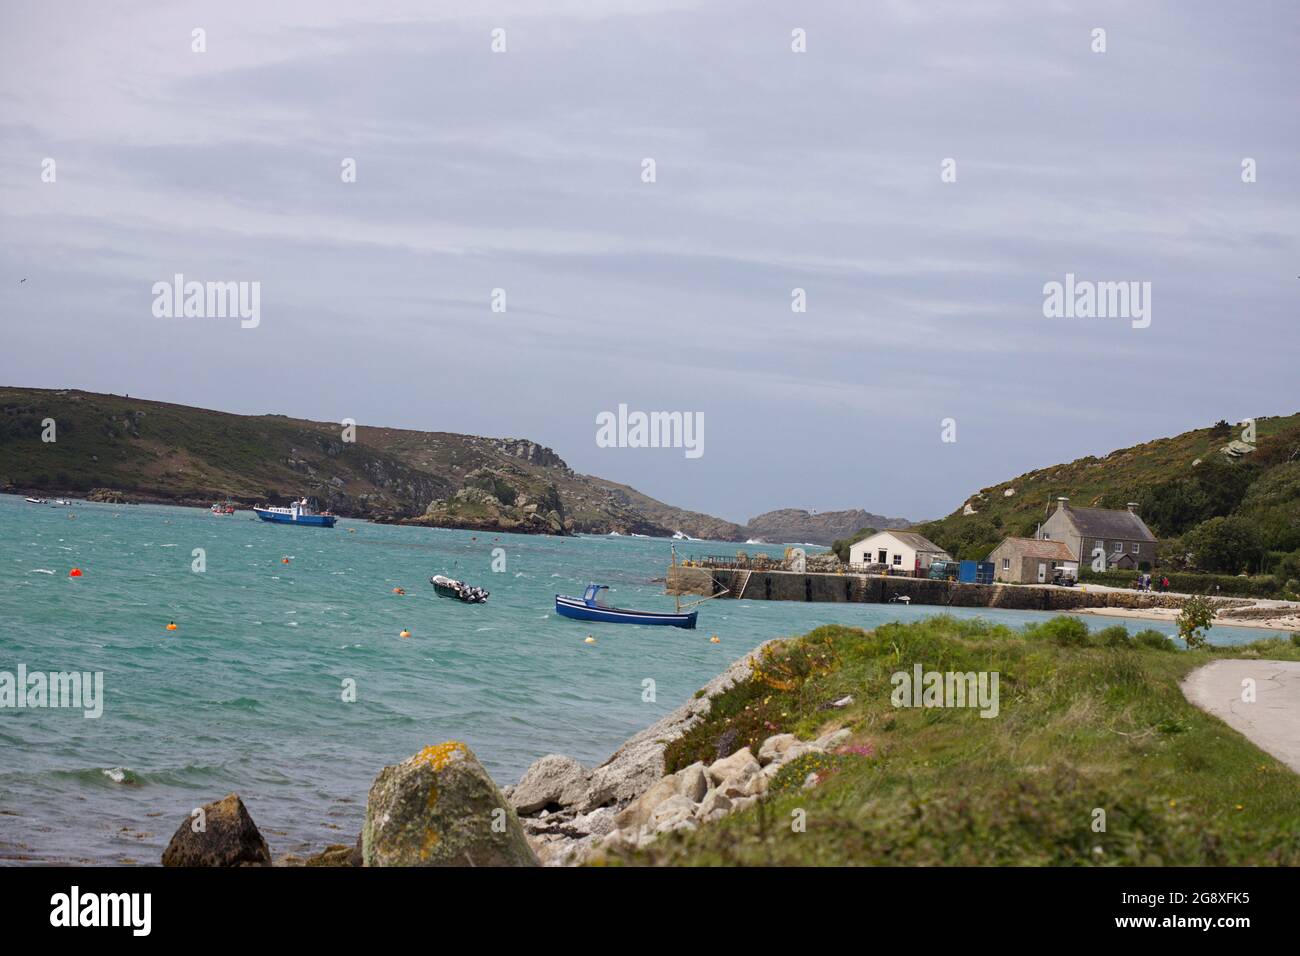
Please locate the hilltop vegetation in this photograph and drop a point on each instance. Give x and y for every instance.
(1085, 722)
(825, 527)
(1230, 513)
(144, 450)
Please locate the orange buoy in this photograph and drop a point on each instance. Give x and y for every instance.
(405, 633)
(75, 573)
(714, 640)
(171, 626)
(284, 560)
(399, 590)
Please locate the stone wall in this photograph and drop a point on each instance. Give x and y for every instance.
(879, 589)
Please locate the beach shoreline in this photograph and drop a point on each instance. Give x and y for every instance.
(1285, 618)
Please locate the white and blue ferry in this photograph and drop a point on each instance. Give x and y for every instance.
(300, 512)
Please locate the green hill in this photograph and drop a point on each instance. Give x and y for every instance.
(119, 448)
(1213, 511)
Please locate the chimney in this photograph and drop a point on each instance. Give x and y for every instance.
(1132, 507)
(1061, 503)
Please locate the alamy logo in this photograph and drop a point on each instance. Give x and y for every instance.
(179, 299)
(923, 688)
(651, 430)
(61, 689)
(1084, 299)
(134, 910)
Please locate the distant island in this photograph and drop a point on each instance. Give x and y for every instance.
(127, 449)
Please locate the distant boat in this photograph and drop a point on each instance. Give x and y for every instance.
(755, 541)
(678, 536)
(451, 588)
(38, 501)
(62, 501)
(590, 608)
(300, 512)
(221, 510)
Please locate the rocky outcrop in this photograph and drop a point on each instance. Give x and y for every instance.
(492, 500)
(701, 794)
(567, 828)
(440, 808)
(218, 834)
(107, 496)
(529, 451)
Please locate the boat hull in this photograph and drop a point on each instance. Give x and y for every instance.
(580, 610)
(310, 521)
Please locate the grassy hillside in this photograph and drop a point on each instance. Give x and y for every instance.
(1212, 511)
(161, 452)
(1085, 722)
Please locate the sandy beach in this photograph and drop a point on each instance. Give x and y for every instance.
(1264, 615)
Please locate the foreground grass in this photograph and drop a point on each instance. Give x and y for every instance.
(1086, 723)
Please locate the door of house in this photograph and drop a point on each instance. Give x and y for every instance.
(1042, 572)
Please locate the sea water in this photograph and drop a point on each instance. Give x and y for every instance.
(250, 693)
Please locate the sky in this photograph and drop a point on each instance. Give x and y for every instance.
(920, 170)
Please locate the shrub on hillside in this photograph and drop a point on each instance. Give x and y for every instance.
(1150, 637)
(1114, 636)
(1063, 631)
(1229, 545)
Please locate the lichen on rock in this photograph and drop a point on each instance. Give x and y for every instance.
(440, 808)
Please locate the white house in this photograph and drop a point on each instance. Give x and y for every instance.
(902, 552)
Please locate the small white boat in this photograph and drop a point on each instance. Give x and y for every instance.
(38, 501)
(62, 501)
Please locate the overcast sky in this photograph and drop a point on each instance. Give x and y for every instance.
(775, 170)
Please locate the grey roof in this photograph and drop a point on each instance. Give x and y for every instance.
(1105, 523)
(917, 542)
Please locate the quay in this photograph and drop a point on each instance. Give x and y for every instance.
(776, 584)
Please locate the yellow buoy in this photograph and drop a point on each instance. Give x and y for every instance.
(405, 633)
(589, 640)
(715, 639)
(171, 626)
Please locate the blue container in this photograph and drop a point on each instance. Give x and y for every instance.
(976, 572)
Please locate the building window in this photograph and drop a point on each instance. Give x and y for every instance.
(898, 560)
(1118, 547)
(1006, 564)
(1137, 548)
(1047, 536)
(881, 556)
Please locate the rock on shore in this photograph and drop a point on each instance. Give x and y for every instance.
(221, 834)
(440, 808)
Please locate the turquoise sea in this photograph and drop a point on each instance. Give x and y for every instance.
(247, 694)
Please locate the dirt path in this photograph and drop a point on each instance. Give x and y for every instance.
(1272, 721)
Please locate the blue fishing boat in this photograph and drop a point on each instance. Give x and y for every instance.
(589, 607)
(300, 512)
